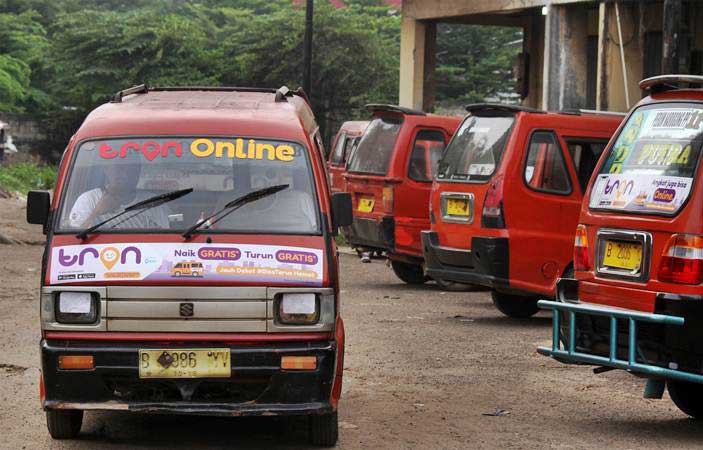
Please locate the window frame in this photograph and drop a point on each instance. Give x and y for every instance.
(410, 153)
(557, 138)
(585, 140)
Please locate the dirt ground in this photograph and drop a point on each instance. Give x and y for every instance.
(423, 368)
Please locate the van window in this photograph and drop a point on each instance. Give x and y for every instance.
(651, 166)
(476, 149)
(545, 169)
(427, 151)
(338, 151)
(373, 154)
(585, 154)
(349, 147)
(108, 175)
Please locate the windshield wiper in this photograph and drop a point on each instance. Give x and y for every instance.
(140, 206)
(235, 204)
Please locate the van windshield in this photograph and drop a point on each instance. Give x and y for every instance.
(373, 154)
(651, 166)
(476, 149)
(108, 175)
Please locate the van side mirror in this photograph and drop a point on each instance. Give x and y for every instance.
(38, 204)
(341, 210)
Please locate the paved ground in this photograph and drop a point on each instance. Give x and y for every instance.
(422, 368)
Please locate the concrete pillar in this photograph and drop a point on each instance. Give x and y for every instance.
(534, 47)
(417, 39)
(602, 78)
(672, 36)
(566, 49)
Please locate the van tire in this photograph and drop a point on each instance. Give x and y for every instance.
(324, 430)
(409, 273)
(515, 306)
(178, 274)
(453, 286)
(64, 424)
(688, 397)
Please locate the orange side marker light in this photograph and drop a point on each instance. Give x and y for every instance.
(76, 362)
(299, 362)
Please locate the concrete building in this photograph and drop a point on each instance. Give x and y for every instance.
(576, 53)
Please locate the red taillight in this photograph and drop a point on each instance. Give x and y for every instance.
(492, 216)
(581, 259)
(682, 260)
(388, 200)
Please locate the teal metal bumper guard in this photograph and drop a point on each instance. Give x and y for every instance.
(570, 355)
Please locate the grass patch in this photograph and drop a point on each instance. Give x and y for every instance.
(341, 240)
(23, 177)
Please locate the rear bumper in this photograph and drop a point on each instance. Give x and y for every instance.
(257, 385)
(375, 234)
(486, 264)
(663, 344)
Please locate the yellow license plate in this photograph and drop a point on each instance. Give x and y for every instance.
(184, 363)
(366, 204)
(622, 255)
(457, 207)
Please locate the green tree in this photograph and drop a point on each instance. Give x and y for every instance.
(474, 62)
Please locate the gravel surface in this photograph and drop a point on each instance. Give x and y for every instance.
(423, 370)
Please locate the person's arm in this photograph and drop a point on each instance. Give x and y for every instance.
(84, 208)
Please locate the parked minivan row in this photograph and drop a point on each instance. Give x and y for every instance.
(491, 200)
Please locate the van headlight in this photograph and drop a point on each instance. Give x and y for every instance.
(298, 309)
(76, 307)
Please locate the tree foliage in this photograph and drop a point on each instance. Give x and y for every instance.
(70, 55)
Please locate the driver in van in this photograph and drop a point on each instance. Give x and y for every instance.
(120, 190)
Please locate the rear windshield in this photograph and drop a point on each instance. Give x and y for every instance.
(111, 174)
(373, 154)
(651, 166)
(475, 151)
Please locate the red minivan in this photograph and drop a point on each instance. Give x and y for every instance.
(389, 176)
(636, 301)
(190, 263)
(345, 141)
(506, 198)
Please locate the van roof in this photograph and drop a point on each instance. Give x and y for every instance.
(271, 113)
(514, 109)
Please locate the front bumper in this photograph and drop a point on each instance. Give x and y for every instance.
(663, 344)
(257, 385)
(486, 264)
(374, 234)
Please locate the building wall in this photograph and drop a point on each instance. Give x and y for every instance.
(574, 51)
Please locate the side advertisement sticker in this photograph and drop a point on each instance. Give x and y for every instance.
(640, 192)
(170, 262)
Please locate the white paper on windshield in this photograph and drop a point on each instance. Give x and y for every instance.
(481, 169)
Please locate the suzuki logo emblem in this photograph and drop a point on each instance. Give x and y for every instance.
(186, 310)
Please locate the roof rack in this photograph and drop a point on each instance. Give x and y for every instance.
(664, 83)
(139, 89)
(578, 112)
(373, 107)
(281, 93)
(501, 107)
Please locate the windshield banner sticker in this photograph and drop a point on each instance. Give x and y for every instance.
(640, 192)
(171, 262)
(200, 148)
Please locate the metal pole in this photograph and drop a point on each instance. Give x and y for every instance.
(622, 57)
(307, 48)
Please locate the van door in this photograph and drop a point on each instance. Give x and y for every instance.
(540, 216)
(412, 197)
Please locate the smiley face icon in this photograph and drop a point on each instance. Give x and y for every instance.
(109, 257)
